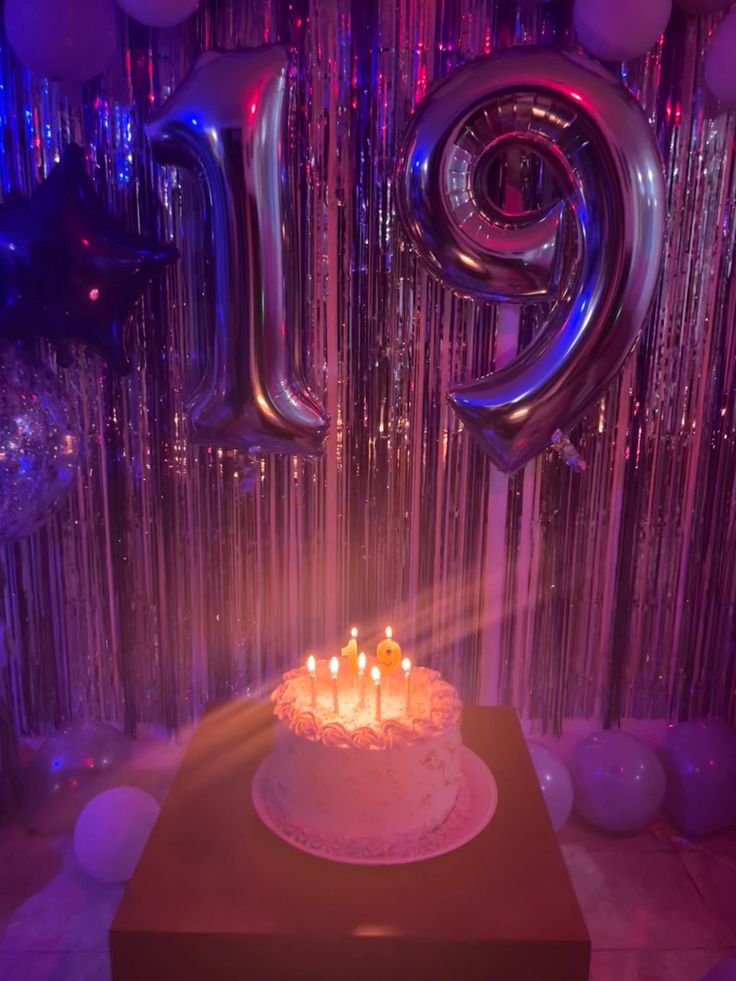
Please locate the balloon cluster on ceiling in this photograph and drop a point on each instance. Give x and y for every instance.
(617, 30)
(76, 39)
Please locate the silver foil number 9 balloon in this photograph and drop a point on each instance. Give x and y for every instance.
(227, 122)
(595, 254)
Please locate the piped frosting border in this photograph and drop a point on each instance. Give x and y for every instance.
(445, 710)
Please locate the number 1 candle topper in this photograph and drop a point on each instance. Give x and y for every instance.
(350, 650)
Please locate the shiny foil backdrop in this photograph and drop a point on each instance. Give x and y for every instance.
(178, 574)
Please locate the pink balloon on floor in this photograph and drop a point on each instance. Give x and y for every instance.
(65, 39)
(555, 783)
(619, 781)
(159, 13)
(616, 30)
(720, 76)
(700, 761)
(111, 832)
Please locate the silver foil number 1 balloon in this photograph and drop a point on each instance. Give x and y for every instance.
(607, 230)
(227, 122)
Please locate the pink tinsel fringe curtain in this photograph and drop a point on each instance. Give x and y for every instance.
(166, 581)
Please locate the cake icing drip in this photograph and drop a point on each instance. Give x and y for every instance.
(434, 707)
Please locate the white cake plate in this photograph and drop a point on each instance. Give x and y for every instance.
(476, 805)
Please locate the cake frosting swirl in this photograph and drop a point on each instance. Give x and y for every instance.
(434, 706)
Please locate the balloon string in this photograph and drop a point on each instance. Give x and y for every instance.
(568, 452)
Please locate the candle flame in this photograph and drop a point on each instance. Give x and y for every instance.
(376, 675)
(361, 661)
(311, 664)
(354, 632)
(334, 666)
(389, 632)
(406, 665)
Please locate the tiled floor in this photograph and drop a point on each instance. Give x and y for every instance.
(657, 908)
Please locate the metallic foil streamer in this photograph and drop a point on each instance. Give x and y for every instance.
(176, 575)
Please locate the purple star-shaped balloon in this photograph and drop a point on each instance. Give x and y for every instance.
(68, 271)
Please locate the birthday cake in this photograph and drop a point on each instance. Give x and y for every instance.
(365, 762)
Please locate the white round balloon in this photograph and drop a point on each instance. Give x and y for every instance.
(618, 780)
(159, 13)
(616, 30)
(555, 783)
(720, 73)
(111, 831)
(66, 39)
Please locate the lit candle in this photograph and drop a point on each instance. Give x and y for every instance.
(376, 675)
(388, 653)
(361, 676)
(334, 666)
(350, 650)
(406, 665)
(312, 669)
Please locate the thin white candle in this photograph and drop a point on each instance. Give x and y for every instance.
(312, 669)
(376, 675)
(361, 676)
(334, 667)
(406, 665)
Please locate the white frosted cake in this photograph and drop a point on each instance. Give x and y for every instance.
(364, 784)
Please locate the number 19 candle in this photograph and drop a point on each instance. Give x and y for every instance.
(388, 653)
(350, 650)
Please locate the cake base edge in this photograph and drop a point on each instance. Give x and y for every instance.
(474, 808)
